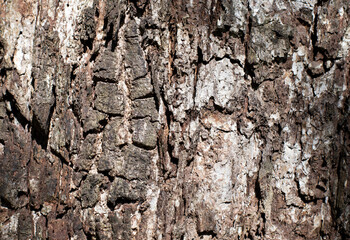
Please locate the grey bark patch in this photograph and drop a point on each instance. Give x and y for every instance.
(92, 122)
(88, 152)
(134, 56)
(87, 27)
(141, 88)
(113, 135)
(90, 192)
(109, 99)
(123, 191)
(144, 133)
(142, 108)
(105, 67)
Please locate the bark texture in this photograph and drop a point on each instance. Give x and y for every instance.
(199, 119)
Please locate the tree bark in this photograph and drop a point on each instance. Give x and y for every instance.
(201, 119)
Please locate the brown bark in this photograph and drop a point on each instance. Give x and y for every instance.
(174, 119)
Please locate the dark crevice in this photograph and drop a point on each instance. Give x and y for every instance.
(250, 237)
(3, 72)
(141, 145)
(111, 206)
(120, 201)
(15, 111)
(124, 178)
(102, 79)
(305, 198)
(190, 160)
(83, 178)
(60, 157)
(263, 216)
(39, 135)
(199, 56)
(92, 131)
(124, 200)
(143, 117)
(313, 75)
(324, 164)
(75, 110)
(121, 19)
(255, 85)
(94, 56)
(321, 188)
(109, 35)
(321, 2)
(212, 106)
(173, 159)
(98, 237)
(155, 84)
(5, 203)
(280, 60)
(112, 31)
(257, 189)
(295, 206)
(139, 10)
(147, 96)
(218, 32)
(249, 72)
(261, 230)
(97, 12)
(207, 233)
(72, 74)
(62, 214)
(88, 235)
(168, 113)
(87, 43)
(303, 22)
(279, 129)
(233, 61)
(149, 42)
(103, 124)
(239, 129)
(106, 174)
(199, 62)
(249, 67)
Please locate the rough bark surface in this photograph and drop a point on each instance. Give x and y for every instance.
(201, 119)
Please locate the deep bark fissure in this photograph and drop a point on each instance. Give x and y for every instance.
(15, 111)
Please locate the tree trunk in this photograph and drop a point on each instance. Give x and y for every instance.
(174, 119)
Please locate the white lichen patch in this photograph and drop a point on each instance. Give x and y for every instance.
(221, 80)
(284, 172)
(19, 31)
(67, 15)
(9, 230)
(223, 167)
